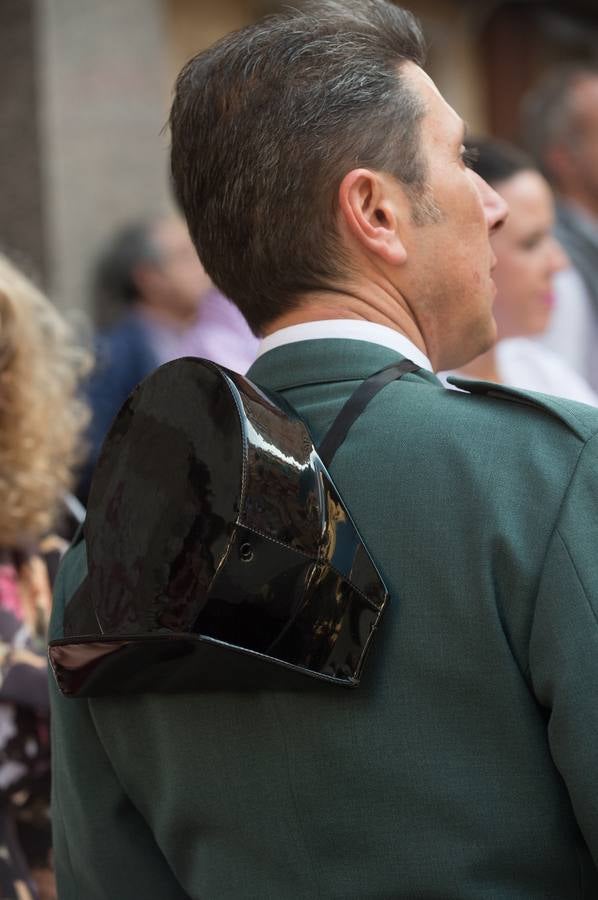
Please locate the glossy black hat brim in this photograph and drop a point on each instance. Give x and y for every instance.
(180, 663)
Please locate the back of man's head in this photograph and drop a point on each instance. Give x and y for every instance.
(265, 125)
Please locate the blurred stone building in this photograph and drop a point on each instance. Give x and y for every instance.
(85, 88)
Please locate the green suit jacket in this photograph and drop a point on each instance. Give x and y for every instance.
(465, 766)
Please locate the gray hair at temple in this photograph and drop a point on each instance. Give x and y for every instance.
(548, 114)
(265, 125)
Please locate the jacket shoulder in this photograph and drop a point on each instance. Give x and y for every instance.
(579, 418)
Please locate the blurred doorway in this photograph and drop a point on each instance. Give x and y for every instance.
(519, 41)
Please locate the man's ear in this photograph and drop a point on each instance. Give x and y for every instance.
(375, 214)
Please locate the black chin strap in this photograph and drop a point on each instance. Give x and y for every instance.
(356, 404)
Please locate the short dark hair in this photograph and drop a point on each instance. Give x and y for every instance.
(132, 246)
(265, 125)
(496, 160)
(547, 114)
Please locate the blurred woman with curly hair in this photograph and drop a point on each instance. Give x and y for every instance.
(41, 421)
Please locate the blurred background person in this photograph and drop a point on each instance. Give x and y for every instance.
(528, 258)
(560, 123)
(150, 278)
(41, 420)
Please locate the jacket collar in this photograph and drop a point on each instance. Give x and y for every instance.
(324, 360)
(347, 329)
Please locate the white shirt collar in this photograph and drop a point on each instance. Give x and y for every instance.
(346, 329)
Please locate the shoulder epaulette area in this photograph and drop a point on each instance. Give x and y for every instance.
(578, 417)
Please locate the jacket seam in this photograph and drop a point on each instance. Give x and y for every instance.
(582, 892)
(555, 531)
(577, 575)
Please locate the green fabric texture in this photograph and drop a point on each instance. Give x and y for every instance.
(465, 766)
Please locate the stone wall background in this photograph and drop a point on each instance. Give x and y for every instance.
(23, 229)
(103, 105)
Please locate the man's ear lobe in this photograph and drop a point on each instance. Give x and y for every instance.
(374, 216)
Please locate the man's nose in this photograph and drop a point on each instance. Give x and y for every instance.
(495, 207)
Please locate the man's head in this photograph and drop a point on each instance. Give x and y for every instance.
(560, 128)
(311, 152)
(152, 264)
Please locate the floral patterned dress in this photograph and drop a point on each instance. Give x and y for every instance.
(25, 838)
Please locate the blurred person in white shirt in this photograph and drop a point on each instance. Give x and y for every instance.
(528, 260)
(560, 125)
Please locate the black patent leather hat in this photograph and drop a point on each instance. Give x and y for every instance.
(220, 555)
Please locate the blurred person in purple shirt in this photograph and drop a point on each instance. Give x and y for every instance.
(219, 332)
(149, 278)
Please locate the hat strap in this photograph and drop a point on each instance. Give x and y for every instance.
(356, 404)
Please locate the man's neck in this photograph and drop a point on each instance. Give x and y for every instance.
(376, 307)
